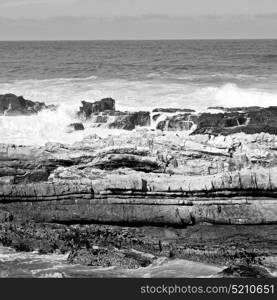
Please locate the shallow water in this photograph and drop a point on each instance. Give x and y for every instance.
(32, 264)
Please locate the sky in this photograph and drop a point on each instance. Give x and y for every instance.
(137, 19)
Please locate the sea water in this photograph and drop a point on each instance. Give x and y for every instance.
(139, 75)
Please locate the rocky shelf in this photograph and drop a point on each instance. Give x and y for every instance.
(220, 180)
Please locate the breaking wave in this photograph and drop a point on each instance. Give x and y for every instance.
(51, 126)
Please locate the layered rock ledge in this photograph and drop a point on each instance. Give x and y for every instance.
(191, 186)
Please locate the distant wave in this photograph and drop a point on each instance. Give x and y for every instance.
(65, 79)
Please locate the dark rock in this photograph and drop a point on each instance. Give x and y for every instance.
(216, 123)
(77, 126)
(106, 245)
(236, 109)
(252, 121)
(221, 120)
(173, 110)
(102, 119)
(245, 271)
(11, 105)
(88, 108)
(36, 175)
(22, 246)
(135, 162)
(155, 117)
(105, 257)
(177, 123)
(217, 107)
(131, 120)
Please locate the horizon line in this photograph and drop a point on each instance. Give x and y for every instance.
(147, 39)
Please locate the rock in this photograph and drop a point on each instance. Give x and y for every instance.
(130, 120)
(77, 126)
(22, 246)
(135, 162)
(155, 117)
(177, 123)
(218, 123)
(236, 109)
(5, 216)
(12, 105)
(102, 119)
(6, 179)
(250, 121)
(106, 257)
(88, 109)
(103, 113)
(129, 247)
(37, 175)
(173, 110)
(245, 271)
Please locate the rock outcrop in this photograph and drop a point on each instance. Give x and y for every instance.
(88, 108)
(178, 122)
(103, 113)
(94, 244)
(250, 121)
(130, 121)
(173, 110)
(154, 179)
(12, 105)
(107, 257)
(76, 126)
(204, 187)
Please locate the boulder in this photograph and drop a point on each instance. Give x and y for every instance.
(107, 257)
(12, 105)
(76, 126)
(130, 120)
(245, 271)
(88, 108)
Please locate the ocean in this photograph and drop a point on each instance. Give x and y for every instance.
(139, 75)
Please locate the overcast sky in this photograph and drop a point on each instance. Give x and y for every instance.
(137, 19)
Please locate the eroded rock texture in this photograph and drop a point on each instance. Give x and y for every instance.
(206, 186)
(11, 105)
(144, 178)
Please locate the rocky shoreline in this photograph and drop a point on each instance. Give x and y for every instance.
(174, 183)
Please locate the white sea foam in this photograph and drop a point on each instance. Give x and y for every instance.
(50, 126)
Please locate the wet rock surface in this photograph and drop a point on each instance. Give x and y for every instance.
(248, 250)
(245, 271)
(76, 126)
(12, 105)
(130, 121)
(107, 257)
(173, 110)
(250, 121)
(178, 122)
(91, 108)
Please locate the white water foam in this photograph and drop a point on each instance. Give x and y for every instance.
(50, 126)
